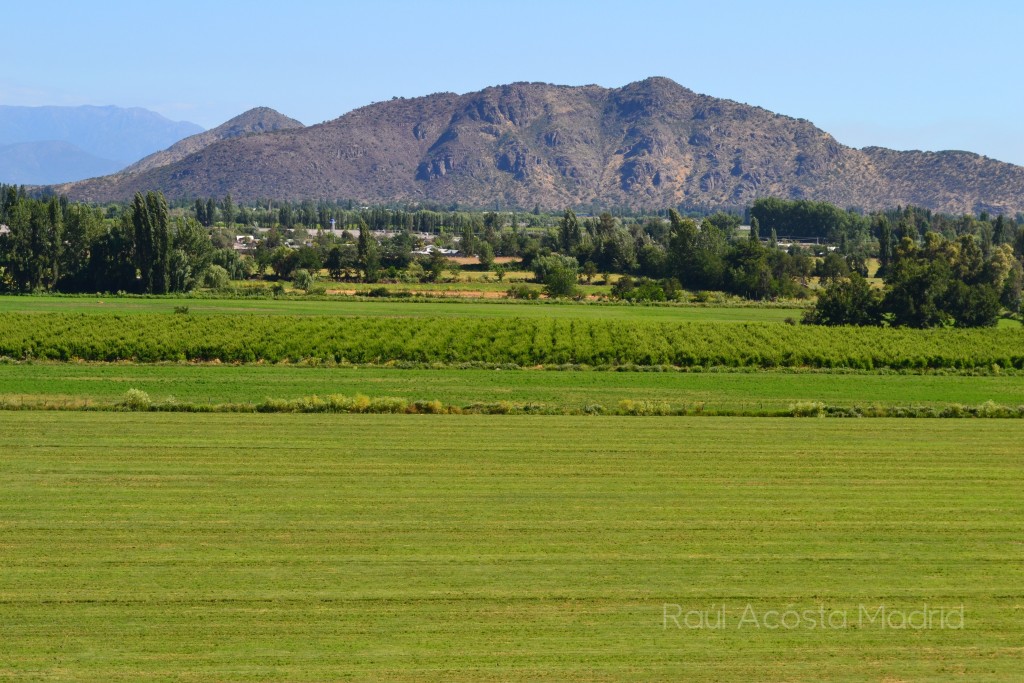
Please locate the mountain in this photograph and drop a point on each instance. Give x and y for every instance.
(652, 143)
(252, 122)
(52, 161)
(114, 136)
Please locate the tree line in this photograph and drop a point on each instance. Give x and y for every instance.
(938, 282)
(937, 269)
(53, 245)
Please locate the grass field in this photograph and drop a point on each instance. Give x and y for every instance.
(281, 547)
(735, 391)
(347, 307)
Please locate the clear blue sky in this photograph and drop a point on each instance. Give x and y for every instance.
(909, 75)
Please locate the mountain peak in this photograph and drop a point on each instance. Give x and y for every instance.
(252, 122)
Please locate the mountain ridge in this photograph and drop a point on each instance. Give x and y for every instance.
(98, 139)
(652, 143)
(49, 161)
(122, 134)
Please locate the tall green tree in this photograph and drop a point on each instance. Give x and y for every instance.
(200, 211)
(152, 241)
(190, 256)
(211, 211)
(228, 210)
(569, 233)
(470, 229)
(19, 262)
(53, 240)
(886, 243)
(369, 253)
(111, 258)
(82, 228)
(696, 256)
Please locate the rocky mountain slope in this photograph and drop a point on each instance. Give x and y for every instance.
(649, 144)
(252, 122)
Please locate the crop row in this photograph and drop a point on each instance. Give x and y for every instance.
(514, 341)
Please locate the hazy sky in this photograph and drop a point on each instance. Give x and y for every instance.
(908, 75)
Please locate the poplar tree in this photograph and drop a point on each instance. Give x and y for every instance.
(229, 211)
(152, 241)
(369, 253)
(569, 231)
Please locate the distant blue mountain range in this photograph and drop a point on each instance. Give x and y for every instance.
(46, 145)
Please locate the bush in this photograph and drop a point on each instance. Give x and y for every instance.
(643, 289)
(558, 273)
(434, 407)
(216, 278)
(522, 291)
(302, 279)
(136, 399)
(807, 409)
(646, 408)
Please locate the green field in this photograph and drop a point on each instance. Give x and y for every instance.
(723, 390)
(283, 547)
(239, 546)
(343, 306)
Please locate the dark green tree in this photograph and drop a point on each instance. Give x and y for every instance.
(974, 305)
(54, 240)
(200, 211)
(832, 267)
(569, 233)
(340, 258)
(468, 241)
(886, 243)
(916, 288)
(284, 261)
(211, 212)
(152, 241)
(82, 228)
(191, 254)
(228, 211)
(369, 253)
(111, 258)
(847, 301)
(485, 253)
(558, 273)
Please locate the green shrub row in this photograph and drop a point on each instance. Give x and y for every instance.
(135, 400)
(514, 342)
